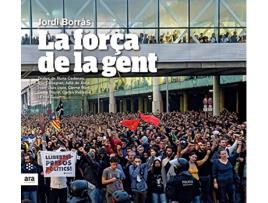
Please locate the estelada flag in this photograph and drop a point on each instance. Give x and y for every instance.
(55, 122)
(150, 119)
(131, 124)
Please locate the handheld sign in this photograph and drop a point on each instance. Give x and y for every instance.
(59, 164)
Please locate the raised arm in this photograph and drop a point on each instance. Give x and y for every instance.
(201, 162)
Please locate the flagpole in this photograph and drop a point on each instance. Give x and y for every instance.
(167, 99)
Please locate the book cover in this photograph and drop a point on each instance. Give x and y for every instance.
(123, 100)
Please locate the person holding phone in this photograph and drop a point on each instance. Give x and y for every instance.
(112, 178)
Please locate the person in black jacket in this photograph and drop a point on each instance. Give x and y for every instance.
(204, 173)
(155, 183)
(182, 186)
(29, 192)
(91, 171)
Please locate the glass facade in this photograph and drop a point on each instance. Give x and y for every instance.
(155, 21)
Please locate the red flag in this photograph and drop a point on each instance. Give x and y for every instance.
(131, 124)
(150, 119)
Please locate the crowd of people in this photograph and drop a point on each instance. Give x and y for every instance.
(113, 157)
(166, 38)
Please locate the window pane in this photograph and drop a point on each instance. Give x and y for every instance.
(146, 36)
(112, 13)
(143, 13)
(25, 13)
(233, 35)
(47, 10)
(233, 13)
(110, 31)
(168, 36)
(203, 13)
(203, 35)
(174, 13)
(79, 9)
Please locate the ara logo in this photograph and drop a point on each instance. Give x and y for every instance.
(29, 179)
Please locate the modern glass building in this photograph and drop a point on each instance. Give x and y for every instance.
(155, 22)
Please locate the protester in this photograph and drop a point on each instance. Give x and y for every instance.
(112, 178)
(139, 173)
(156, 184)
(223, 174)
(106, 150)
(58, 188)
(29, 192)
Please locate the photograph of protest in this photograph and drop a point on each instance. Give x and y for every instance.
(133, 101)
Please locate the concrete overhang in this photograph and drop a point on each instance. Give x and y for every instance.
(173, 59)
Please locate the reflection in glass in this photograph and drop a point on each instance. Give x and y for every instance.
(233, 13)
(143, 13)
(80, 9)
(25, 13)
(46, 10)
(169, 36)
(204, 13)
(173, 13)
(112, 14)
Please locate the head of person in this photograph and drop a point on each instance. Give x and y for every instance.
(121, 196)
(144, 139)
(113, 162)
(202, 146)
(208, 145)
(27, 158)
(129, 150)
(223, 154)
(192, 157)
(158, 139)
(102, 153)
(131, 155)
(140, 149)
(223, 143)
(180, 165)
(54, 139)
(137, 161)
(157, 165)
(153, 152)
(169, 151)
(145, 155)
(92, 153)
